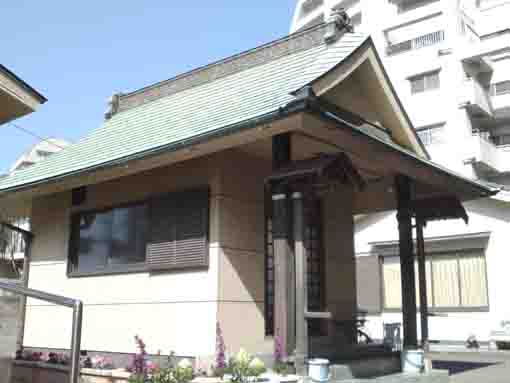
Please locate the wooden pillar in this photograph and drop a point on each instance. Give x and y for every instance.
(422, 278)
(405, 231)
(301, 353)
(284, 317)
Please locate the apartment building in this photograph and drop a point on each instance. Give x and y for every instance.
(449, 61)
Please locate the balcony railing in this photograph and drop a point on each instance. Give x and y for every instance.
(416, 43)
(475, 99)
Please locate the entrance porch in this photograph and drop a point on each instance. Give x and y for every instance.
(334, 167)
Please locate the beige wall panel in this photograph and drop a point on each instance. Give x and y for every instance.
(186, 175)
(243, 175)
(243, 326)
(339, 248)
(241, 224)
(241, 276)
(241, 261)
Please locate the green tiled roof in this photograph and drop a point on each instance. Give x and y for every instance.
(213, 106)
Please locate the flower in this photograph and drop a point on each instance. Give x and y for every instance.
(151, 366)
(257, 363)
(221, 360)
(138, 364)
(257, 367)
(279, 353)
(184, 363)
(243, 357)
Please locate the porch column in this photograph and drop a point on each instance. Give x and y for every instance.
(422, 278)
(301, 287)
(405, 231)
(284, 303)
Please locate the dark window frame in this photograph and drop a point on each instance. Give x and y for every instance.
(139, 267)
(442, 309)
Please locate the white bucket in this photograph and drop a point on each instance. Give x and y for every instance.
(318, 370)
(413, 361)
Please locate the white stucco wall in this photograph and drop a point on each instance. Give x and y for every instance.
(485, 216)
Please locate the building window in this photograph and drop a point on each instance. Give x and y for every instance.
(417, 43)
(309, 6)
(109, 238)
(44, 153)
(424, 82)
(405, 6)
(431, 134)
(500, 88)
(167, 232)
(501, 140)
(455, 281)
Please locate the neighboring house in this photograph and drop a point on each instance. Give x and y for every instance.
(39, 152)
(174, 215)
(17, 99)
(13, 251)
(450, 63)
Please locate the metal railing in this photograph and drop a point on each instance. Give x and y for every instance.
(77, 307)
(416, 43)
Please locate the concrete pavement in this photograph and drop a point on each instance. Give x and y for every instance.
(475, 367)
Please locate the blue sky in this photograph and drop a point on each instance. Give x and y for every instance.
(77, 53)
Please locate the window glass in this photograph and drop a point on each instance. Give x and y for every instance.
(392, 283)
(410, 5)
(94, 241)
(432, 134)
(417, 85)
(129, 235)
(425, 82)
(446, 282)
(113, 237)
(456, 280)
(432, 81)
(473, 281)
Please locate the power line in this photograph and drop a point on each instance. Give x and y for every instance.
(24, 130)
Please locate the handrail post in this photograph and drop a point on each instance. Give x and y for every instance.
(76, 342)
(77, 307)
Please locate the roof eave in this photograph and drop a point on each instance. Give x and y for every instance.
(295, 107)
(482, 190)
(36, 94)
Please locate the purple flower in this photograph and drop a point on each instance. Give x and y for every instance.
(221, 360)
(279, 353)
(138, 363)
